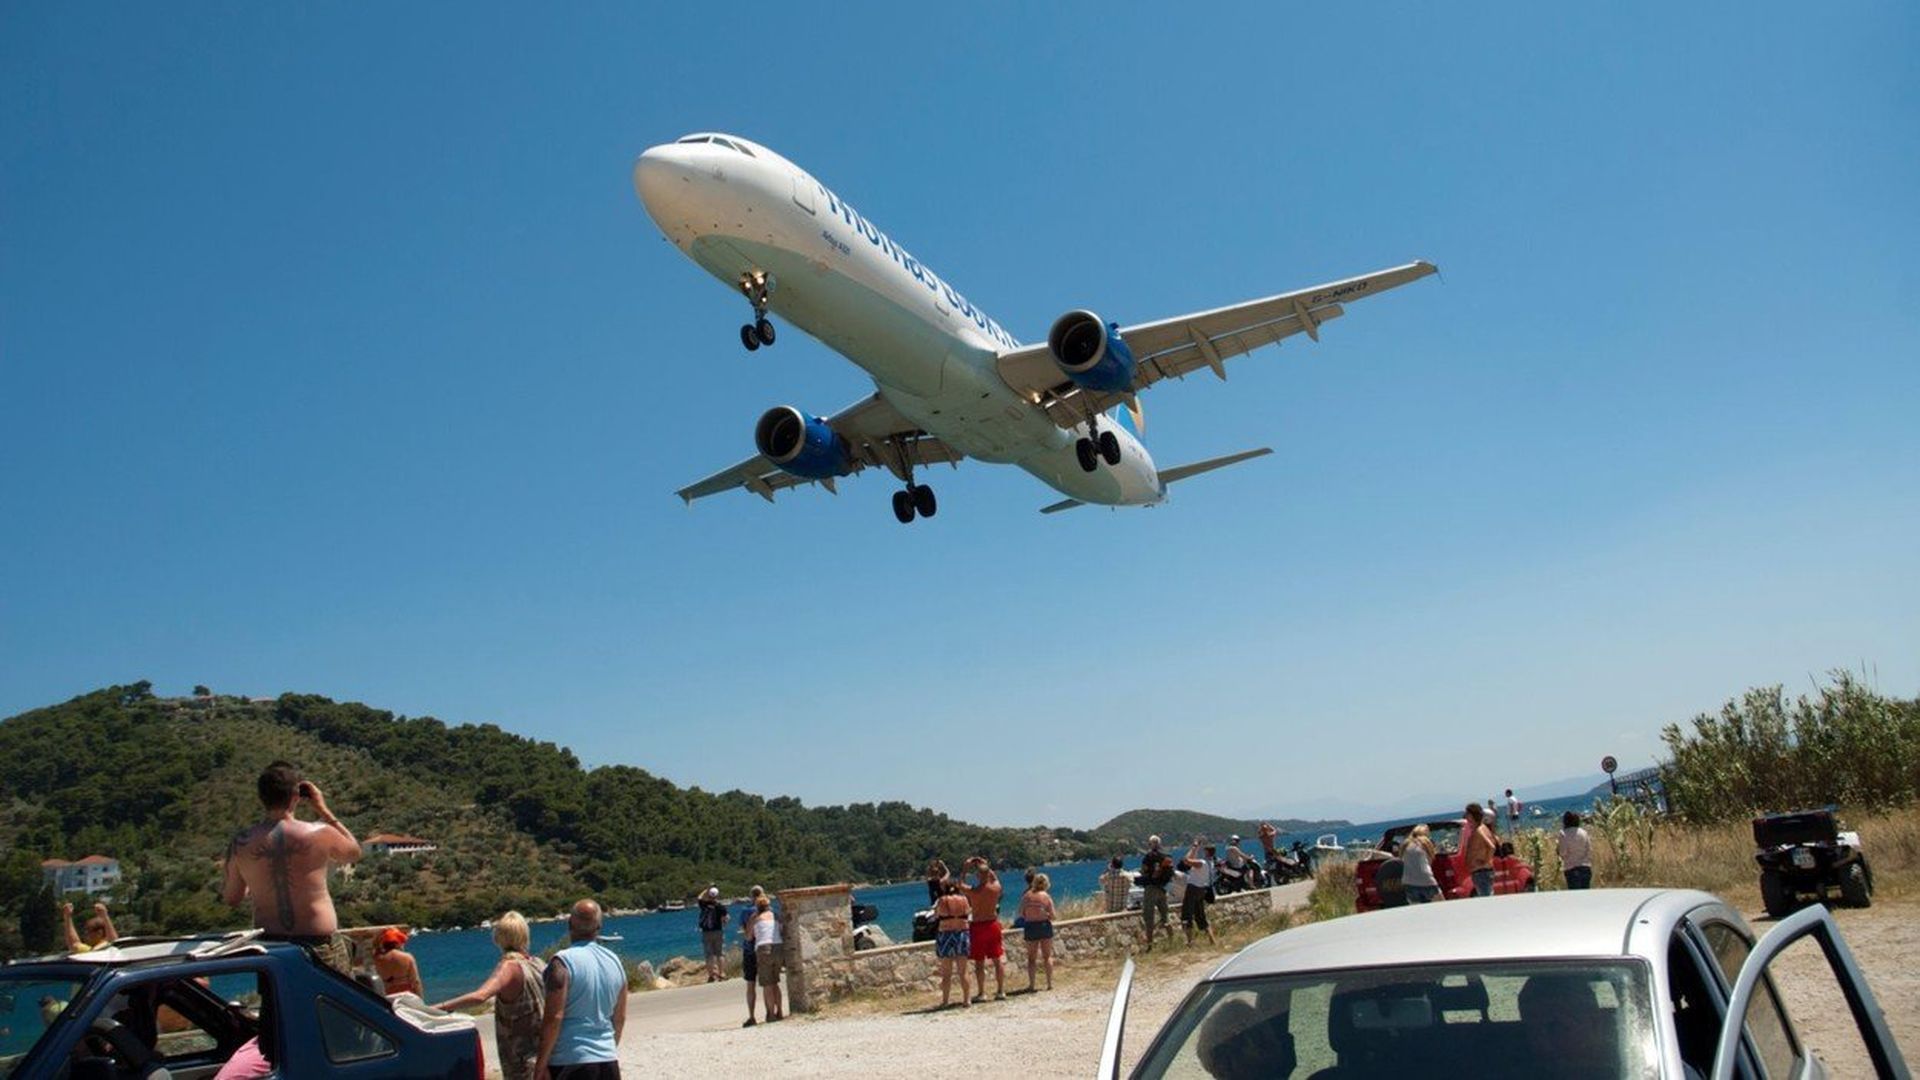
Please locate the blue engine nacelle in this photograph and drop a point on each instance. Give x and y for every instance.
(802, 445)
(1091, 352)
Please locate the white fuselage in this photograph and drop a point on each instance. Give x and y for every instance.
(838, 277)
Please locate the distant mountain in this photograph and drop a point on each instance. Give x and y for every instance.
(162, 783)
(1407, 806)
(1181, 826)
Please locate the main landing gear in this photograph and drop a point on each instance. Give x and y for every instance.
(917, 499)
(757, 286)
(1098, 446)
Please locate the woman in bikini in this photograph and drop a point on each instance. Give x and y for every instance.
(399, 973)
(1036, 917)
(950, 940)
(519, 994)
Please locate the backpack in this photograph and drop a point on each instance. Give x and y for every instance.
(713, 916)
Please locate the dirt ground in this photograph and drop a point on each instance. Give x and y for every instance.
(1058, 1033)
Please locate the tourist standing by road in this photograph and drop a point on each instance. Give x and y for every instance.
(518, 994)
(1116, 885)
(1193, 902)
(1576, 852)
(586, 1010)
(937, 875)
(399, 972)
(951, 913)
(1156, 873)
(713, 932)
(749, 963)
(100, 931)
(1476, 848)
(1513, 813)
(983, 933)
(766, 955)
(1036, 917)
(1416, 860)
(281, 865)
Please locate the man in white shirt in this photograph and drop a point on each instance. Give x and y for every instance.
(1193, 902)
(1513, 812)
(1576, 852)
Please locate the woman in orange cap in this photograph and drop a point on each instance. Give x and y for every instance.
(399, 973)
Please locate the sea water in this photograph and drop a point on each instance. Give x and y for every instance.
(456, 961)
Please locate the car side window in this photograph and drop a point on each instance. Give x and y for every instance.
(1696, 1007)
(347, 1037)
(1766, 1020)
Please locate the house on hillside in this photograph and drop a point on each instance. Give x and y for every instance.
(396, 844)
(93, 874)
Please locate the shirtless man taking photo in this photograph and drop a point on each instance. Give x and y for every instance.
(281, 864)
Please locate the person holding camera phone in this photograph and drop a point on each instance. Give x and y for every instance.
(281, 865)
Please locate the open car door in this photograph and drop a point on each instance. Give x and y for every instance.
(1116, 1025)
(1816, 921)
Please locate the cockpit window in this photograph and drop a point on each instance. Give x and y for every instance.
(716, 140)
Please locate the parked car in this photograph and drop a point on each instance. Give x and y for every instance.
(1589, 984)
(180, 1008)
(1377, 876)
(1805, 855)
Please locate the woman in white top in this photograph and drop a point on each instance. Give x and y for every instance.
(1576, 852)
(1416, 860)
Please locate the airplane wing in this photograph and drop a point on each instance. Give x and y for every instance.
(1172, 348)
(873, 428)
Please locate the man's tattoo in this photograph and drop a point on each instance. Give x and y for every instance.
(279, 860)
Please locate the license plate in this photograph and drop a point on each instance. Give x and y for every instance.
(1803, 858)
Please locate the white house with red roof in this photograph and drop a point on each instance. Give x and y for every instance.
(396, 844)
(93, 874)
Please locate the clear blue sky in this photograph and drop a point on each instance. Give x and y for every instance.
(336, 355)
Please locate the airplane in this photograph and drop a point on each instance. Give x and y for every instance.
(949, 382)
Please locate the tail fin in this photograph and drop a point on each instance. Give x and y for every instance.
(1181, 472)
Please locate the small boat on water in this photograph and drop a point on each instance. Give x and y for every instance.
(674, 905)
(611, 937)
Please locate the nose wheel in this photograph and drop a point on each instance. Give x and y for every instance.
(757, 287)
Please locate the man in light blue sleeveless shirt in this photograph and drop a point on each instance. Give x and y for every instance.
(586, 1005)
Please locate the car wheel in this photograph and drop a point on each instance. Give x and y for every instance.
(1855, 889)
(1774, 895)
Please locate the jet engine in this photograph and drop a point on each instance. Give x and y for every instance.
(1091, 352)
(802, 445)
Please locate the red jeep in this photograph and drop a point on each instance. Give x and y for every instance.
(1379, 869)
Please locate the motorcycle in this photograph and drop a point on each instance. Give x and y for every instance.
(1283, 869)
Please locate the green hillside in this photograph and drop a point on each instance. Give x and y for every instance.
(161, 784)
(1181, 826)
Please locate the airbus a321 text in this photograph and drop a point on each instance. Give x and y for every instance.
(949, 382)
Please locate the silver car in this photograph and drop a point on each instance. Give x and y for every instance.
(1598, 983)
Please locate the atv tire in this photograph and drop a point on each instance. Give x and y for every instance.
(1774, 894)
(1856, 888)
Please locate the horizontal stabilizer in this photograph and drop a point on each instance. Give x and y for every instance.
(1181, 472)
(1063, 504)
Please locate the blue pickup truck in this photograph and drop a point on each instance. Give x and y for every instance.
(178, 1009)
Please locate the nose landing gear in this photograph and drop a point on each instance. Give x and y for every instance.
(757, 286)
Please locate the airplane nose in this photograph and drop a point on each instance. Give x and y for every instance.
(659, 178)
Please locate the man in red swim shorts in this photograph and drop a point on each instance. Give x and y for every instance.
(983, 933)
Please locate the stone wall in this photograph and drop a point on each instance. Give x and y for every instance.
(816, 927)
(913, 968)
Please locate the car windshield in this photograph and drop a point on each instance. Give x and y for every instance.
(30, 1002)
(1585, 1019)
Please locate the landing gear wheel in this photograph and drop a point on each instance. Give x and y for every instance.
(923, 500)
(1110, 447)
(1856, 888)
(1083, 449)
(903, 507)
(748, 338)
(763, 330)
(1774, 895)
